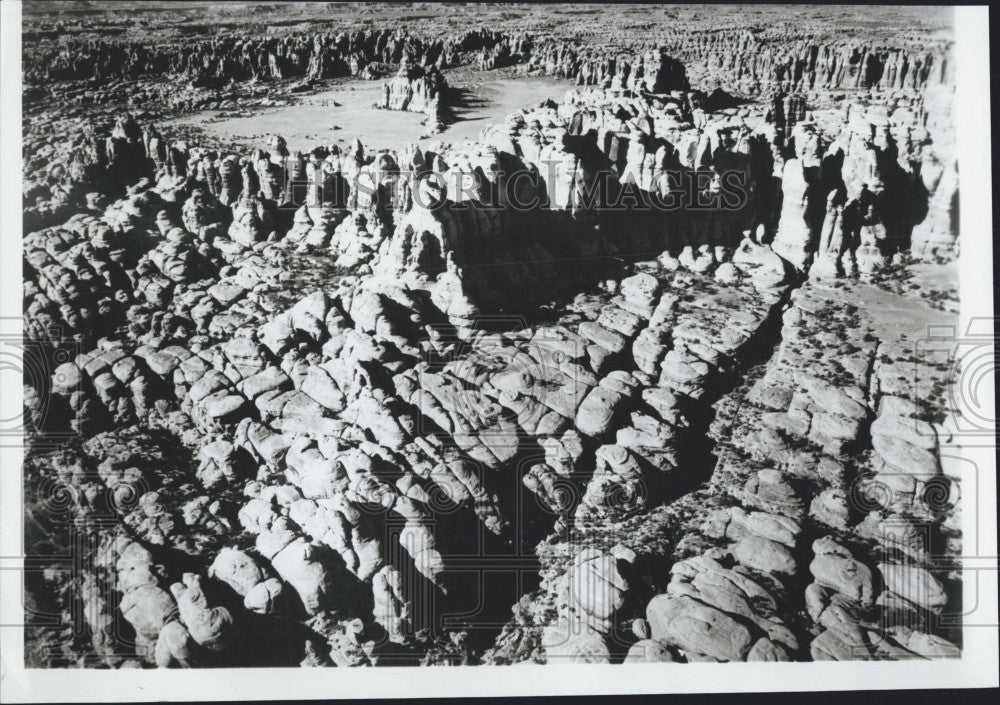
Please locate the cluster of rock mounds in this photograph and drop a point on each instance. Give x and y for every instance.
(324, 450)
(654, 71)
(317, 55)
(851, 194)
(874, 592)
(59, 270)
(745, 63)
(802, 508)
(187, 289)
(741, 61)
(682, 350)
(337, 427)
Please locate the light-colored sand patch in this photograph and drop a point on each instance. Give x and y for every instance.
(345, 112)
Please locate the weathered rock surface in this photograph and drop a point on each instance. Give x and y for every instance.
(307, 390)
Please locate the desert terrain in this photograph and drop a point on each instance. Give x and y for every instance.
(488, 334)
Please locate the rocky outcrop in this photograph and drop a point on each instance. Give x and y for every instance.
(416, 89)
(315, 55)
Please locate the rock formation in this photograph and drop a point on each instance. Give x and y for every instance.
(617, 331)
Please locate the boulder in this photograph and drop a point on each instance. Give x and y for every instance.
(691, 625)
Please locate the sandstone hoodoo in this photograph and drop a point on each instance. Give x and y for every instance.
(648, 343)
(418, 90)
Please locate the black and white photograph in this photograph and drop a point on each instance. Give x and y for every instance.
(623, 344)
